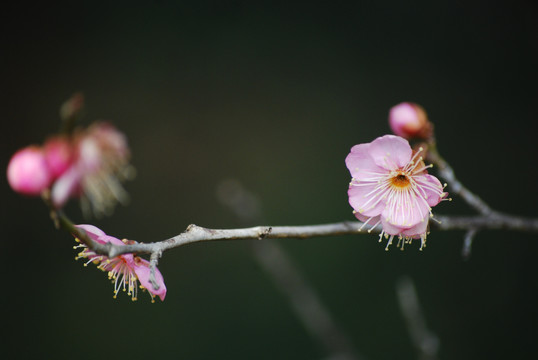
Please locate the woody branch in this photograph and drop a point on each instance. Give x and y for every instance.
(195, 233)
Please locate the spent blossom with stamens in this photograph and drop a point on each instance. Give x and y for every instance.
(125, 271)
(390, 187)
(98, 165)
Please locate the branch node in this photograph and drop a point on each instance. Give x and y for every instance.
(112, 250)
(264, 233)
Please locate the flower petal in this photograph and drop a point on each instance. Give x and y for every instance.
(414, 231)
(432, 188)
(361, 165)
(364, 199)
(99, 235)
(418, 230)
(390, 152)
(93, 232)
(65, 186)
(143, 272)
(111, 239)
(405, 211)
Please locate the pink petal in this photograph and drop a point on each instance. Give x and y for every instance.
(390, 152)
(65, 186)
(99, 235)
(110, 239)
(391, 229)
(414, 231)
(93, 232)
(407, 214)
(363, 218)
(427, 182)
(59, 154)
(143, 272)
(90, 155)
(361, 165)
(361, 200)
(372, 220)
(418, 230)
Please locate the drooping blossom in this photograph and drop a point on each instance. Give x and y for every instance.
(27, 171)
(95, 172)
(125, 271)
(409, 120)
(391, 187)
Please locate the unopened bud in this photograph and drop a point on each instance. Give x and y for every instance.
(27, 172)
(409, 120)
(58, 154)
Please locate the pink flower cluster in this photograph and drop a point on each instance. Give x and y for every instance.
(125, 271)
(391, 187)
(90, 164)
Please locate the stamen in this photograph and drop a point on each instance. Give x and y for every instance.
(374, 226)
(389, 243)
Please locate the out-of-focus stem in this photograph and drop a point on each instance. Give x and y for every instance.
(447, 173)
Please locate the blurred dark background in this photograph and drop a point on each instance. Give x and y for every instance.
(273, 95)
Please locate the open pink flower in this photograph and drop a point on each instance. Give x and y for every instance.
(95, 171)
(390, 186)
(125, 270)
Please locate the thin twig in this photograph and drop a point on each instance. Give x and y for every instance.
(425, 341)
(304, 300)
(492, 222)
(468, 243)
(447, 173)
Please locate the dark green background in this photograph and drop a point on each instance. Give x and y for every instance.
(274, 96)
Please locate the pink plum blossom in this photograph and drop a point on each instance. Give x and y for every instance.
(390, 186)
(125, 271)
(98, 166)
(409, 120)
(27, 171)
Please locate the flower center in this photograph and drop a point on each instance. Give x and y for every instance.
(400, 181)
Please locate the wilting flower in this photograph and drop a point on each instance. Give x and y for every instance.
(125, 270)
(27, 172)
(390, 186)
(98, 164)
(409, 120)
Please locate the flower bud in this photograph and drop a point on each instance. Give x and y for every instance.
(27, 172)
(409, 120)
(59, 155)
